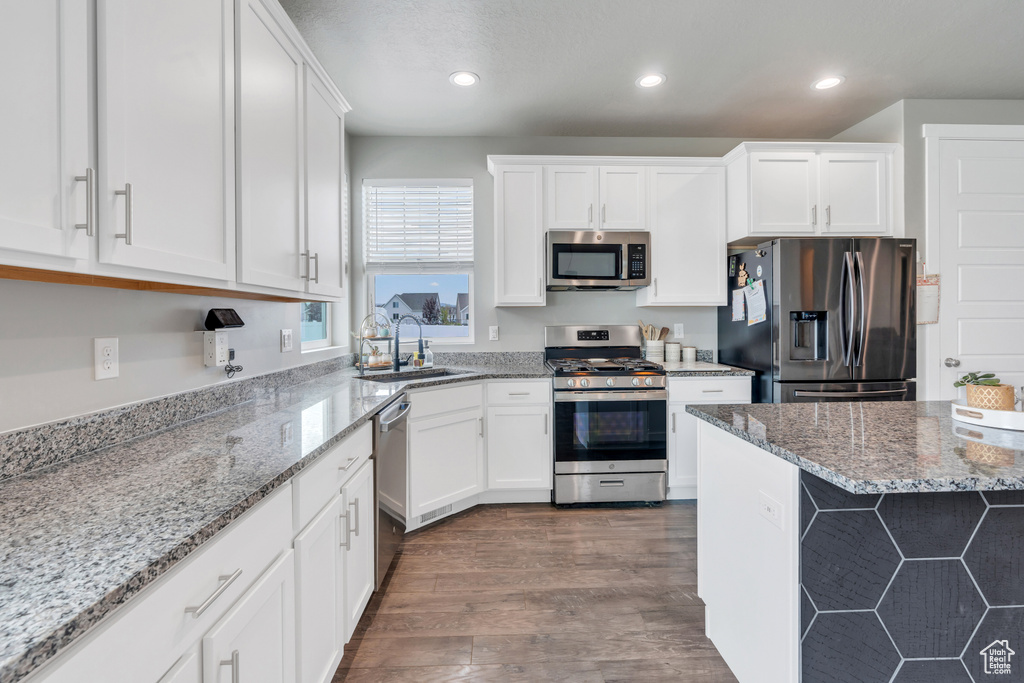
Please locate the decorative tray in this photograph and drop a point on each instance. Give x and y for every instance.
(1001, 419)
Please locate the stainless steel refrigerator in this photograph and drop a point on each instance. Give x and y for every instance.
(840, 322)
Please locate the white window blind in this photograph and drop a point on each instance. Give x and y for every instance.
(423, 224)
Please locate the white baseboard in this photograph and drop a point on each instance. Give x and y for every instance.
(516, 496)
(682, 493)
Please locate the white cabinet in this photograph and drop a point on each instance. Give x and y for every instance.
(270, 157)
(518, 236)
(44, 128)
(687, 223)
(519, 447)
(255, 641)
(325, 176)
(682, 427)
(186, 670)
(360, 553)
(808, 189)
(595, 197)
(319, 606)
(166, 186)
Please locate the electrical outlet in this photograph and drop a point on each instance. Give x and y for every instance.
(286, 341)
(679, 331)
(215, 348)
(286, 433)
(769, 508)
(492, 333)
(105, 360)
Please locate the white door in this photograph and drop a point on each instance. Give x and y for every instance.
(44, 127)
(854, 193)
(784, 193)
(255, 641)
(623, 193)
(519, 244)
(687, 218)
(519, 447)
(319, 605)
(981, 238)
(360, 550)
(570, 196)
(166, 135)
(271, 231)
(445, 460)
(325, 159)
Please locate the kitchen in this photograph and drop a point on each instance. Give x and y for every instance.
(50, 327)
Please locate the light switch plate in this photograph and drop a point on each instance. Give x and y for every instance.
(492, 333)
(286, 341)
(769, 508)
(679, 331)
(105, 357)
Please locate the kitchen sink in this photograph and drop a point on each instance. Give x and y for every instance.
(409, 375)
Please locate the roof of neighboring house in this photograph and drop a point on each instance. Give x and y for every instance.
(462, 301)
(415, 300)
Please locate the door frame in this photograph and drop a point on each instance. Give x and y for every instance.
(928, 338)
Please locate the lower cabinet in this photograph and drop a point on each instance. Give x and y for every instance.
(319, 608)
(254, 641)
(519, 447)
(186, 670)
(359, 554)
(445, 461)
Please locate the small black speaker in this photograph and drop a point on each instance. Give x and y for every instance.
(219, 318)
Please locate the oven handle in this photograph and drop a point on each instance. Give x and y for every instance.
(577, 396)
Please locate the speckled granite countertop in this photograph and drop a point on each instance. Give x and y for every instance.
(879, 447)
(701, 369)
(79, 538)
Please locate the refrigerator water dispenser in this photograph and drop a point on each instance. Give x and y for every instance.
(809, 335)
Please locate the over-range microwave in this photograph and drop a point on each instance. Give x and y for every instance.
(589, 259)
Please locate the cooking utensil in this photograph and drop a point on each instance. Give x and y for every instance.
(663, 335)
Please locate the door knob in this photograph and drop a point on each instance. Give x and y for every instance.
(952, 362)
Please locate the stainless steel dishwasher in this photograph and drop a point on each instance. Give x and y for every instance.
(389, 473)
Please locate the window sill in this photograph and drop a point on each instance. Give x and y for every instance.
(319, 349)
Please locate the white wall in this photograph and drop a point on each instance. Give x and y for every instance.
(522, 329)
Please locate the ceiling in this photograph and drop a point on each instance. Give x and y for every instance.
(736, 68)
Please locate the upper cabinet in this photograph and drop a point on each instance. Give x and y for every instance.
(808, 189)
(167, 136)
(518, 235)
(44, 129)
(595, 197)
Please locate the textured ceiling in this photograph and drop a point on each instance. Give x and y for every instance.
(736, 68)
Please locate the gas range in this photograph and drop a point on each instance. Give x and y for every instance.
(606, 373)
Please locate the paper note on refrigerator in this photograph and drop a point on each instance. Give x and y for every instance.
(738, 311)
(757, 308)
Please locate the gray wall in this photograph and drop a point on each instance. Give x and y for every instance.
(466, 157)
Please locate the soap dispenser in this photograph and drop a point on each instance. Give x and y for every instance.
(428, 356)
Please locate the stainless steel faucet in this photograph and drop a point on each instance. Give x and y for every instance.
(397, 366)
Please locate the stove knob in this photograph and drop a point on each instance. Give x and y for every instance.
(610, 382)
(636, 381)
(649, 381)
(570, 383)
(584, 383)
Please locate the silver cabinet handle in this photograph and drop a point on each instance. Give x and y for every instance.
(316, 272)
(481, 426)
(128, 211)
(519, 393)
(613, 482)
(539, 283)
(227, 580)
(90, 182)
(711, 391)
(604, 214)
(305, 255)
(828, 215)
(814, 215)
(233, 663)
(673, 423)
(545, 419)
(348, 463)
(952, 362)
(355, 506)
(347, 543)
(590, 214)
(655, 286)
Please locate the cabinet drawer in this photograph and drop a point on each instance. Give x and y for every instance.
(151, 632)
(519, 392)
(437, 401)
(709, 389)
(317, 484)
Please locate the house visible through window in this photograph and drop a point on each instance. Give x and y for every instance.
(419, 254)
(314, 325)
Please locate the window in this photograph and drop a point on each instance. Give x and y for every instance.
(419, 253)
(314, 325)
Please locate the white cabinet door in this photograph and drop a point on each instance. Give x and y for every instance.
(623, 193)
(44, 127)
(270, 118)
(445, 459)
(325, 141)
(360, 553)
(186, 670)
(570, 197)
(854, 193)
(784, 192)
(519, 447)
(682, 448)
(319, 607)
(255, 641)
(687, 219)
(165, 74)
(519, 244)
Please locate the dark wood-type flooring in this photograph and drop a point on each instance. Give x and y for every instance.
(532, 593)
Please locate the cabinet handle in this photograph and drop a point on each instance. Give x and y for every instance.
(590, 214)
(227, 580)
(655, 286)
(233, 663)
(355, 507)
(814, 215)
(604, 213)
(711, 391)
(305, 255)
(90, 182)
(481, 425)
(539, 281)
(673, 423)
(347, 543)
(128, 211)
(545, 418)
(316, 271)
(828, 215)
(519, 393)
(348, 463)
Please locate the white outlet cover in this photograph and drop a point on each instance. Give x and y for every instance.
(679, 331)
(286, 341)
(105, 358)
(769, 508)
(492, 333)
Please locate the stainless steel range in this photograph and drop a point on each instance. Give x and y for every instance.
(610, 416)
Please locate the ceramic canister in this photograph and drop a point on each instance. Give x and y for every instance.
(673, 352)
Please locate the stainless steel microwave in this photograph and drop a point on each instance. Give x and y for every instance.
(588, 259)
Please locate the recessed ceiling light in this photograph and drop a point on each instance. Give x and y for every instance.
(650, 80)
(830, 82)
(464, 78)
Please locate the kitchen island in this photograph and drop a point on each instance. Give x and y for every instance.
(860, 542)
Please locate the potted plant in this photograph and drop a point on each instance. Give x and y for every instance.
(984, 391)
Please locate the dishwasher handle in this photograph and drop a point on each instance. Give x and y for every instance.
(388, 425)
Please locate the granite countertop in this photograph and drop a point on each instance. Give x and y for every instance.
(879, 447)
(79, 538)
(702, 369)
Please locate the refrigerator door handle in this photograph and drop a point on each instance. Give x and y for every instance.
(846, 308)
(861, 309)
(849, 394)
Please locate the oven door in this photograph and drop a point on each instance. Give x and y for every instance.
(580, 264)
(596, 428)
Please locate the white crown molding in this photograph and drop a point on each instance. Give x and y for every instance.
(952, 131)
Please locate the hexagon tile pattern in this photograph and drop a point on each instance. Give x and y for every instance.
(1000, 624)
(847, 560)
(830, 655)
(931, 609)
(932, 524)
(996, 557)
(933, 671)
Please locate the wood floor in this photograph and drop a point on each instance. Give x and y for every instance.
(532, 593)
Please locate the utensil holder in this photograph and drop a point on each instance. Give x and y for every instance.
(655, 350)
